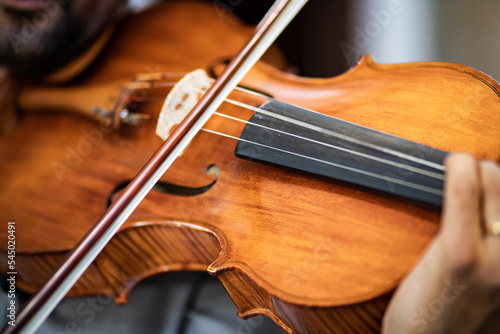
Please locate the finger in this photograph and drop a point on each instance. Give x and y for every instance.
(490, 175)
(461, 229)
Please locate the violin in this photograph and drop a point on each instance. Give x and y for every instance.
(308, 198)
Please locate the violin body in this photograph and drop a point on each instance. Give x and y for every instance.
(315, 255)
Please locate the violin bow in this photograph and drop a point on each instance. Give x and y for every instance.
(41, 304)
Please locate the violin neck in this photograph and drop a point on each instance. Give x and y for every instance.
(291, 137)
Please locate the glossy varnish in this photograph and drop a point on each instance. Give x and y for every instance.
(316, 256)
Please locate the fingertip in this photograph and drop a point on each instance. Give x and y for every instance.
(462, 177)
(458, 158)
(490, 167)
(490, 176)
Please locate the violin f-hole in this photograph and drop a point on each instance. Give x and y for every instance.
(172, 189)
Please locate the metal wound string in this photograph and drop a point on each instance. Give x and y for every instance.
(364, 155)
(356, 170)
(416, 186)
(312, 127)
(329, 132)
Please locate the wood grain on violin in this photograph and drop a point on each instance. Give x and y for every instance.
(316, 255)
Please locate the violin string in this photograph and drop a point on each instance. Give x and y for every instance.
(350, 139)
(319, 129)
(133, 86)
(368, 156)
(247, 91)
(364, 155)
(416, 186)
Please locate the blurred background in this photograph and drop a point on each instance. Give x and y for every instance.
(328, 37)
(336, 33)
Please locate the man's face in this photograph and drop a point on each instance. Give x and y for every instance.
(38, 35)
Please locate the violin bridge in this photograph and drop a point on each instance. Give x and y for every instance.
(179, 102)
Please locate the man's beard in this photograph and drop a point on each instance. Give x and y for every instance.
(36, 42)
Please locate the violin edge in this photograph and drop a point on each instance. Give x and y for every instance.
(366, 61)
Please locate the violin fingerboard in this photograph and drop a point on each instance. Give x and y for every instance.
(302, 140)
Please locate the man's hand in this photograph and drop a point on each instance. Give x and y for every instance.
(455, 286)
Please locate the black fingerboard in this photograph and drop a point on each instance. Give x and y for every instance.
(295, 138)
